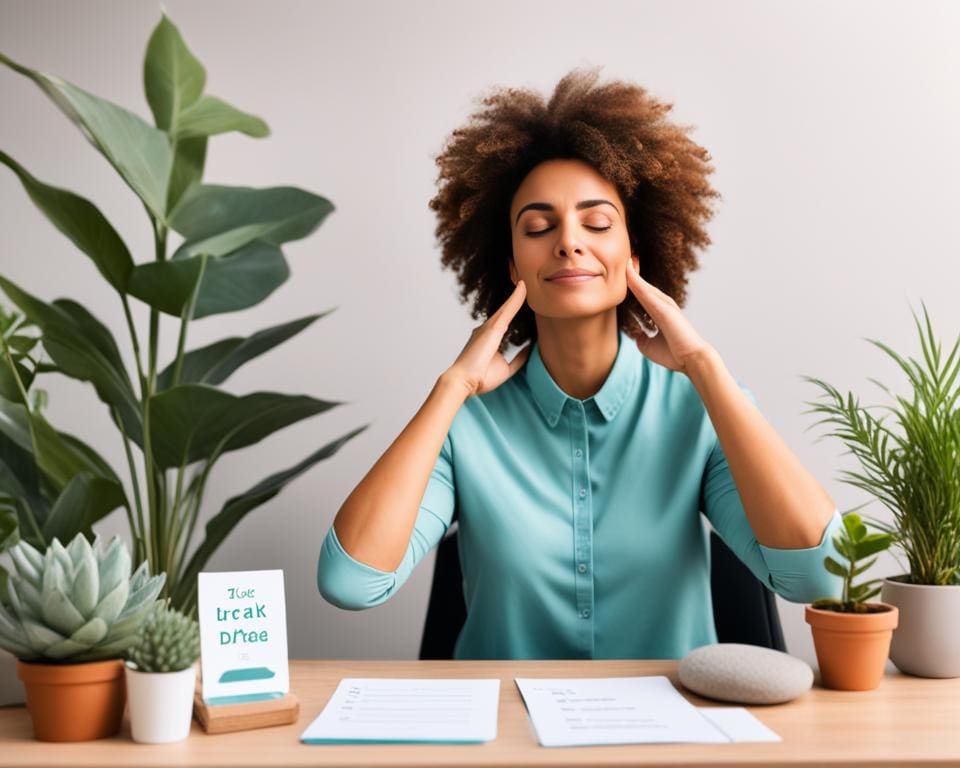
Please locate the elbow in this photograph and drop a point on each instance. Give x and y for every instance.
(347, 583)
(806, 588)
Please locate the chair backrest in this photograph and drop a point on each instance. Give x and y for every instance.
(744, 609)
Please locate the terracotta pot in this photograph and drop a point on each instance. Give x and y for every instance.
(74, 702)
(852, 648)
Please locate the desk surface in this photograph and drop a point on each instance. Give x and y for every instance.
(906, 721)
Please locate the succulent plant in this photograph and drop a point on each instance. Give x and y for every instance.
(168, 641)
(75, 603)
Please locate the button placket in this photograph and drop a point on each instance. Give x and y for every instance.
(583, 527)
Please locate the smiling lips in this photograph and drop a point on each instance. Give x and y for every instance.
(571, 276)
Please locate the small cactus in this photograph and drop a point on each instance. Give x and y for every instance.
(75, 603)
(168, 641)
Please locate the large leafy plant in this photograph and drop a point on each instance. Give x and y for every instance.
(912, 466)
(228, 258)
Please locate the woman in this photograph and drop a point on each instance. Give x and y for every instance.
(580, 467)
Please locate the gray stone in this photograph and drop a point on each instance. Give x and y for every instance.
(745, 674)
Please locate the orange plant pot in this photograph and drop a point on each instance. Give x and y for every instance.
(852, 648)
(74, 702)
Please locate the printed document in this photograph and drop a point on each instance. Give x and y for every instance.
(625, 710)
(398, 710)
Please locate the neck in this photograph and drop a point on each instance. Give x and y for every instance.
(579, 353)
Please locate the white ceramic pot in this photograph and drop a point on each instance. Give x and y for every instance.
(925, 642)
(161, 704)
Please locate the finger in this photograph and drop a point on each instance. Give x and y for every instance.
(520, 358)
(637, 283)
(513, 303)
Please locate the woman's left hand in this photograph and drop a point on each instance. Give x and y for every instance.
(677, 342)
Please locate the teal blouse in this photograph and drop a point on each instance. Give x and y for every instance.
(580, 527)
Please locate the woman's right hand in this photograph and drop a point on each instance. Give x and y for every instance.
(481, 367)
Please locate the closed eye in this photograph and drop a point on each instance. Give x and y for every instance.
(542, 231)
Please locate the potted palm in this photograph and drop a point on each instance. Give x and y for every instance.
(913, 468)
(852, 635)
(161, 676)
(74, 612)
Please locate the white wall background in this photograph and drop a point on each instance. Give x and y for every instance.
(833, 127)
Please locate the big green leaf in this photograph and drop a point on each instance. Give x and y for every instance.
(236, 281)
(140, 153)
(199, 420)
(173, 78)
(18, 469)
(189, 156)
(236, 508)
(9, 388)
(210, 116)
(61, 456)
(869, 545)
(82, 348)
(82, 222)
(217, 220)
(85, 500)
(214, 363)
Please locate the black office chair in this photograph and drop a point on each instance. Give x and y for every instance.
(744, 609)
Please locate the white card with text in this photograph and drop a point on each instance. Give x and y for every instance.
(243, 636)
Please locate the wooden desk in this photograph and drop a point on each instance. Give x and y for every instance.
(906, 721)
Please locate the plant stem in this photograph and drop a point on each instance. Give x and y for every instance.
(139, 538)
(154, 486)
(135, 341)
(23, 393)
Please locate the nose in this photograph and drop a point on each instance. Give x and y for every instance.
(567, 243)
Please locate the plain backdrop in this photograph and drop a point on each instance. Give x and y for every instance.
(832, 125)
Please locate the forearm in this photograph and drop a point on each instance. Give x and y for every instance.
(786, 506)
(376, 521)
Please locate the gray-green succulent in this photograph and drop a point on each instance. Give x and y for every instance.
(75, 603)
(168, 641)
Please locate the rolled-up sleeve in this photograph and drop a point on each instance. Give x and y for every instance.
(350, 584)
(797, 575)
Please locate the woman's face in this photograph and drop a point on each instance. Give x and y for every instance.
(565, 216)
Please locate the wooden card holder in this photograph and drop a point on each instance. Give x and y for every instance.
(225, 718)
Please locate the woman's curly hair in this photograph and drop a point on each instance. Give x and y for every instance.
(620, 130)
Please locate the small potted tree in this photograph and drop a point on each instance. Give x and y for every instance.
(73, 613)
(850, 634)
(161, 676)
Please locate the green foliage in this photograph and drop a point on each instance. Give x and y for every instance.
(75, 603)
(228, 257)
(855, 543)
(914, 469)
(168, 641)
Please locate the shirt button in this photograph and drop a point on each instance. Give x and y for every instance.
(579, 453)
(582, 567)
(583, 492)
(585, 614)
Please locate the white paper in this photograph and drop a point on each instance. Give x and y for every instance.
(738, 724)
(613, 710)
(400, 710)
(243, 636)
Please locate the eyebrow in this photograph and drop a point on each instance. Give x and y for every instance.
(547, 207)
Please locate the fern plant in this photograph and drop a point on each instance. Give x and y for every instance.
(913, 466)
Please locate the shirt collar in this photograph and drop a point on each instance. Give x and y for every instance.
(617, 386)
